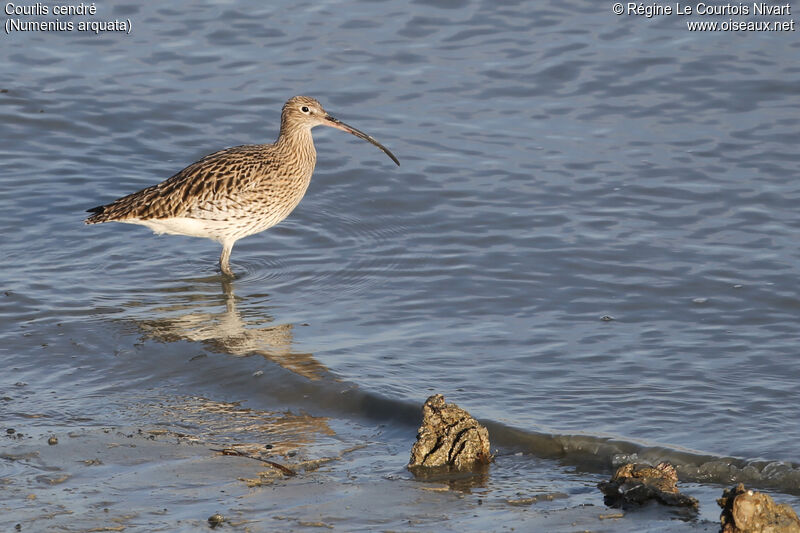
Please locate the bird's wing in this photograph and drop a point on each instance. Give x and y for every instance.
(215, 180)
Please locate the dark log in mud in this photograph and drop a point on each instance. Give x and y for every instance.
(634, 485)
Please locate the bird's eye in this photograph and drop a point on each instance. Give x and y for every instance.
(304, 109)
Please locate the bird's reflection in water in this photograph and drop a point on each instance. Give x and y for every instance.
(232, 426)
(186, 315)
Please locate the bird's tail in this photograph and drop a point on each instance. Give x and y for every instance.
(98, 215)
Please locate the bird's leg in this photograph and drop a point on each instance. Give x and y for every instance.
(224, 259)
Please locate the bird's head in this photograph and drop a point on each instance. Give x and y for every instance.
(306, 112)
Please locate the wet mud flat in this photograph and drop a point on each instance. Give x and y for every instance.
(195, 459)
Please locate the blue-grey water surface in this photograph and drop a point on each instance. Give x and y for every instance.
(593, 230)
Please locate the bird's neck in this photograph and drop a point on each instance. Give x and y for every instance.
(297, 143)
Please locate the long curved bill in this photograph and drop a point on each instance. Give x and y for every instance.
(339, 125)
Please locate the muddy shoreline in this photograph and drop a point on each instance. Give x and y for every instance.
(172, 474)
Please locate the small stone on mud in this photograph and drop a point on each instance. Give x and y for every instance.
(745, 511)
(52, 441)
(636, 484)
(449, 436)
(215, 520)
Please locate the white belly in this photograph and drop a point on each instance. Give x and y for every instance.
(217, 230)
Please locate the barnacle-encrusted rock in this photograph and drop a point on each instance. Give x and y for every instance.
(745, 511)
(449, 436)
(215, 520)
(634, 484)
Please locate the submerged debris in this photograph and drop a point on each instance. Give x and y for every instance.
(231, 451)
(745, 511)
(449, 436)
(635, 484)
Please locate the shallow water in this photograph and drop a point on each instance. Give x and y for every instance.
(559, 165)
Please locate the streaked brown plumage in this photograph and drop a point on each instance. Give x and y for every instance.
(235, 192)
